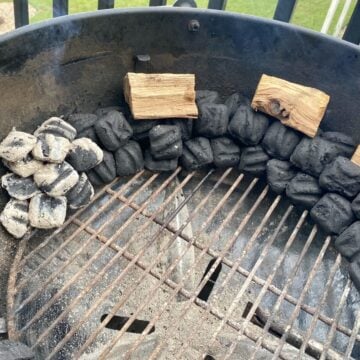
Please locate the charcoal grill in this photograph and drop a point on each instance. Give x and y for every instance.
(206, 264)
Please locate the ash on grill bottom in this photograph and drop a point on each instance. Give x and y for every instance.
(184, 265)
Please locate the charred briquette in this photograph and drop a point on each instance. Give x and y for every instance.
(47, 212)
(113, 130)
(165, 142)
(341, 176)
(25, 167)
(311, 155)
(248, 126)
(129, 159)
(141, 128)
(280, 141)
(279, 173)
(332, 213)
(304, 190)
(18, 187)
(348, 242)
(207, 96)
(81, 194)
(16, 146)
(51, 148)
(15, 218)
(57, 127)
(105, 172)
(253, 160)
(196, 153)
(355, 205)
(56, 179)
(105, 110)
(84, 154)
(234, 101)
(185, 125)
(225, 152)
(84, 125)
(213, 120)
(354, 271)
(344, 143)
(159, 165)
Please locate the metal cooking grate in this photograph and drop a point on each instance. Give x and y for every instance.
(184, 265)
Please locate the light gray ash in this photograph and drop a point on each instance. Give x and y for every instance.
(15, 218)
(16, 146)
(18, 187)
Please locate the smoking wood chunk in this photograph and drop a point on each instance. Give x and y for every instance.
(58, 127)
(46, 212)
(15, 218)
(81, 194)
(18, 187)
(297, 106)
(17, 145)
(51, 148)
(25, 167)
(356, 156)
(159, 96)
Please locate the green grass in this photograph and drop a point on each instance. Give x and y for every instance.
(308, 13)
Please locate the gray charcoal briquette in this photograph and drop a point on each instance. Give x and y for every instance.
(248, 126)
(354, 271)
(225, 152)
(81, 194)
(57, 127)
(14, 350)
(47, 212)
(355, 205)
(17, 145)
(213, 120)
(82, 122)
(89, 133)
(113, 130)
(159, 165)
(15, 217)
(348, 242)
(280, 141)
(105, 172)
(165, 142)
(18, 187)
(332, 213)
(253, 160)
(197, 153)
(279, 173)
(25, 167)
(304, 190)
(234, 101)
(51, 148)
(105, 110)
(344, 143)
(129, 159)
(341, 176)
(84, 154)
(185, 125)
(206, 96)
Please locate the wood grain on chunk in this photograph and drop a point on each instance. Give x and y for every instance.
(161, 96)
(356, 156)
(295, 105)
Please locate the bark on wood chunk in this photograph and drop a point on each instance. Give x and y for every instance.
(356, 156)
(161, 96)
(295, 105)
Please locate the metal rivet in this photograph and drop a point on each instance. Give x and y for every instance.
(194, 25)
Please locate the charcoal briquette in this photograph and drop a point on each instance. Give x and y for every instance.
(15, 217)
(253, 160)
(82, 121)
(344, 143)
(354, 271)
(225, 152)
(18, 187)
(47, 212)
(355, 205)
(185, 125)
(25, 167)
(105, 110)
(279, 173)
(248, 126)
(84, 154)
(51, 148)
(165, 142)
(105, 172)
(57, 127)
(81, 194)
(16, 146)
(141, 128)
(341, 176)
(56, 179)
(332, 213)
(348, 242)
(234, 101)
(129, 159)
(197, 153)
(159, 165)
(207, 96)
(113, 130)
(280, 141)
(213, 120)
(304, 190)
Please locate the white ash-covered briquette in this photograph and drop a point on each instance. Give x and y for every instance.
(15, 217)
(18, 187)
(16, 146)
(25, 167)
(57, 127)
(47, 212)
(56, 179)
(81, 194)
(85, 154)
(51, 148)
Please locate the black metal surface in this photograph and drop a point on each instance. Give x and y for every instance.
(60, 7)
(217, 4)
(21, 12)
(284, 10)
(352, 32)
(157, 2)
(105, 4)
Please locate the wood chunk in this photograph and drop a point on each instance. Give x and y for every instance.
(161, 96)
(295, 105)
(356, 157)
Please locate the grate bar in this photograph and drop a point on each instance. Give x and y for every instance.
(353, 336)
